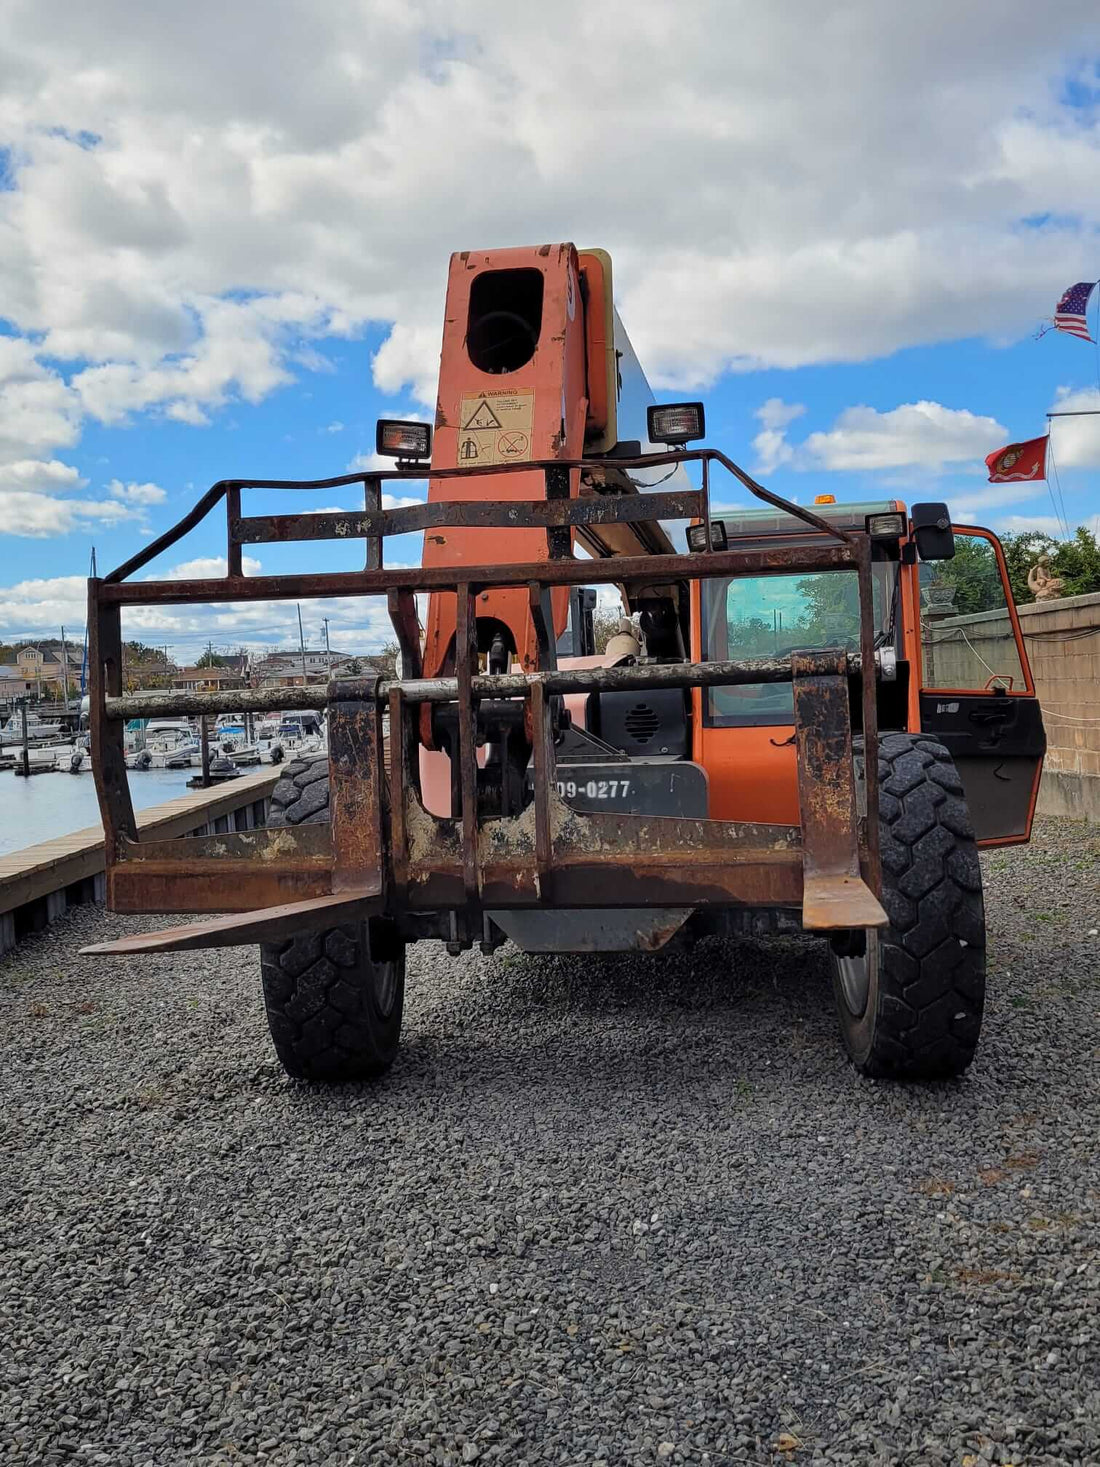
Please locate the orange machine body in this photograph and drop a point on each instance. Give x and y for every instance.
(752, 772)
(494, 408)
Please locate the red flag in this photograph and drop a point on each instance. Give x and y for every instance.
(1018, 461)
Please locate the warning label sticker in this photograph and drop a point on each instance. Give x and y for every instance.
(495, 428)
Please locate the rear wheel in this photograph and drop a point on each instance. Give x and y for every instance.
(334, 999)
(911, 995)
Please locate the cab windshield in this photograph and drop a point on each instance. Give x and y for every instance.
(770, 616)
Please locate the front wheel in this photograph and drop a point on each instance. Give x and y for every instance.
(335, 998)
(910, 995)
(334, 1001)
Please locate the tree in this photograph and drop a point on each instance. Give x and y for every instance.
(605, 623)
(386, 659)
(1075, 561)
(974, 573)
(210, 659)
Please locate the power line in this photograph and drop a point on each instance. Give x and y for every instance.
(1062, 513)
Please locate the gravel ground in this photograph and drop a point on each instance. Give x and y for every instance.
(616, 1211)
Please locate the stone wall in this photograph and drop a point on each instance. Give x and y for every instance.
(1063, 647)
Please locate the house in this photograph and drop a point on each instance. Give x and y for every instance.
(355, 667)
(284, 669)
(43, 664)
(13, 685)
(151, 671)
(206, 679)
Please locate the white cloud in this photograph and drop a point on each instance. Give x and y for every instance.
(136, 493)
(1076, 441)
(32, 607)
(243, 352)
(335, 427)
(926, 434)
(1017, 524)
(1022, 524)
(40, 477)
(204, 568)
(164, 264)
(772, 448)
(409, 357)
(35, 605)
(973, 506)
(38, 412)
(42, 516)
(367, 462)
(35, 502)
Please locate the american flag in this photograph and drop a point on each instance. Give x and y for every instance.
(1069, 313)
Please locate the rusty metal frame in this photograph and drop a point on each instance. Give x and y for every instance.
(383, 853)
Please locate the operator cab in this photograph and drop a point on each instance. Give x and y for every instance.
(950, 657)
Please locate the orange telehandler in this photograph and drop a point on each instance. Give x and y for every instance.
(808, 719)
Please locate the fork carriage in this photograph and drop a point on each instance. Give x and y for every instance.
(384, 855)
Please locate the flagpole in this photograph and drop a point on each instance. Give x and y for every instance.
(1086, 413)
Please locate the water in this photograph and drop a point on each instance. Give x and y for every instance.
(47, 805)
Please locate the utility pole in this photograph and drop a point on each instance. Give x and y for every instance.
(64, 669)
(26, 746)
(328, 650)
(302, 644)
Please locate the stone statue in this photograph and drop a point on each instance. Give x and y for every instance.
(1042, 585)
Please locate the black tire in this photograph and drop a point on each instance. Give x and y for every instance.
(911, 995)
(334, 999)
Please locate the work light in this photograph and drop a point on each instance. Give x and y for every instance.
(697, 537)
(886, 526)
(675, 422)
(403, 440)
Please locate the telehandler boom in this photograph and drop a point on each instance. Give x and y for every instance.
(809, 718)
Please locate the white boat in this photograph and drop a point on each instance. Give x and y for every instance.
(246, 757)
(70, 757)
(171, 745)
(300, 733)
(133, 735)
(38, 729)
(184, 756)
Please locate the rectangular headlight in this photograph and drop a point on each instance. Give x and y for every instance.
(698, 539)
(676, 422)
(886, 526)
(403, 440)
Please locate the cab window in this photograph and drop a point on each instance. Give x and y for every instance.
(771, 616)
(967, 637)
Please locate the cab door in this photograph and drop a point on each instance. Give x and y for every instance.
(976, 690)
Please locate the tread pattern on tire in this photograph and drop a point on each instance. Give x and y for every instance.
(318, 1004)
(932, 970)
(301, 795)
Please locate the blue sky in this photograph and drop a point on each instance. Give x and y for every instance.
(843, 236)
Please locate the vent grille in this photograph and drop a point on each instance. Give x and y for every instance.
(641, 723)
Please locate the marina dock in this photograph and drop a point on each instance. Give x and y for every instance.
(40, 882)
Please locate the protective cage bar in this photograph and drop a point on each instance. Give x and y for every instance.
(385, 854)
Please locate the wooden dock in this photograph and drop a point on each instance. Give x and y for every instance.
(38, 883)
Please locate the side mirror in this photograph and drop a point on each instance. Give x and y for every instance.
(932, 531)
